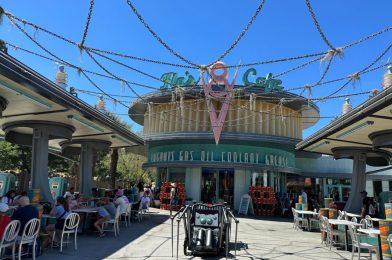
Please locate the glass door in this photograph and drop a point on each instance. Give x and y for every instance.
(217, 185)
(208, 185)
(226, 186)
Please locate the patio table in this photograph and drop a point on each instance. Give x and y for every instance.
(373, 232)
(346, 223)
(85, 211)
(352, 215)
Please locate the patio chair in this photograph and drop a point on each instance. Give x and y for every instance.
(314, 221)
(115, 222)
(323, 230)
(71, 225)
(144, 210)
(369, 221)
(9, 237)
(29, 235)
(355, 238)
(354, 219)
(300, 222)
(363, 223)
(389, 239)
(335, 236)
(135, 211)
(294, 220)
(129, 213)
(124, 217)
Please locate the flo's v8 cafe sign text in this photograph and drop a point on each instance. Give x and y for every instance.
(267, 83)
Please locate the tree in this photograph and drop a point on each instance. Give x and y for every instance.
(130, 168)
(9, 156)
(114, 152)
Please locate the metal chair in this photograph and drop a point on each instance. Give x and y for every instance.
(126, 215)
(334, 233)
(369, 221)
(314, 221)
(323, 230)
(9, 237)
(360, 245)
(300, 222)
(71, 225)
(115, 222)
(29, 235)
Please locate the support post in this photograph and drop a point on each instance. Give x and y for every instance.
(358, 183)
(39, 163)
(86, 169)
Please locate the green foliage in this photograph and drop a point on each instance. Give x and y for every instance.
(9, 156)
(130, 168)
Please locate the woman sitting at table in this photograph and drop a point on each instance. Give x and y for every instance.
(103, 215)
(61, 212)
(9, 197)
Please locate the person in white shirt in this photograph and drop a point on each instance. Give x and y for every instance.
(121, 201)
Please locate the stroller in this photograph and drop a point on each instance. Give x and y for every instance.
(207, 229)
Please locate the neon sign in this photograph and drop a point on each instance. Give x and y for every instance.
(268, 84)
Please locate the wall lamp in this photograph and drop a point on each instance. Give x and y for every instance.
(86, 123)
(123, 139)
(355, 129)
(318, 145)
(13, 89)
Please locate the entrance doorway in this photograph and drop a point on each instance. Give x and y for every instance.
(217, 185)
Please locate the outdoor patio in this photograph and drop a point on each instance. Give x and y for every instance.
(271, 238)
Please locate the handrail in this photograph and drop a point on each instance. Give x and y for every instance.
(172, 219)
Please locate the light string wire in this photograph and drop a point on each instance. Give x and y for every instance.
(37, 27)
(316, 23)
(172, 51)
(259, 95)
(90, 11)
(63, 61)
(264, 95)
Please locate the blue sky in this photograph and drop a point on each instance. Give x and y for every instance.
(201, 31)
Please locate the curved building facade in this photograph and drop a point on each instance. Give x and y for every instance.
(256, 147)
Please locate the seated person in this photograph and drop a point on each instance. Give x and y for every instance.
(110, 207)
(61, 212)
(17, 197)
(4, 218)
(121, 202)
(9, 197)
(24, 213)
(103, 216)
(145, 200)
(72, 203)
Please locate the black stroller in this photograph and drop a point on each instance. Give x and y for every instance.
(207, 229)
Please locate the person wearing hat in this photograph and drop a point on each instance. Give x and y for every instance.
(365, 204)
(4, 218)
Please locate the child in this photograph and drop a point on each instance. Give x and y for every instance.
(103, 216)
(4, 218)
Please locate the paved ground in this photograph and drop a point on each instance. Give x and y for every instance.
(150, 239)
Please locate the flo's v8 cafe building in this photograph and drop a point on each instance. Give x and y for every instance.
(257, 144)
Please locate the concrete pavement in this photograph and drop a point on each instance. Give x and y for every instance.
(151, 239)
